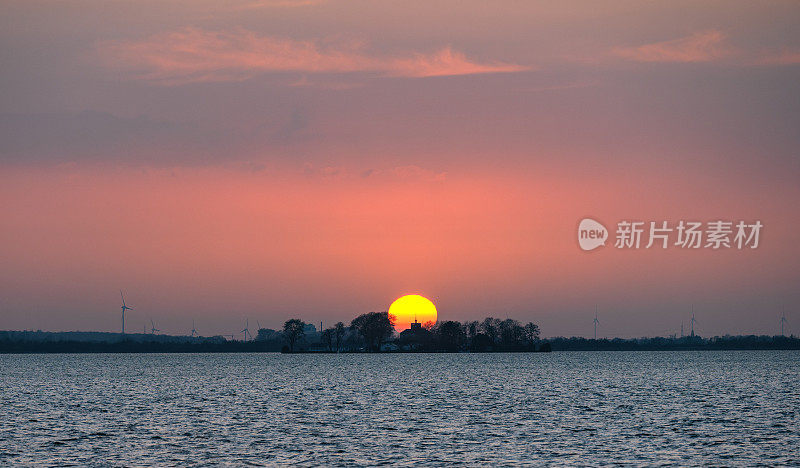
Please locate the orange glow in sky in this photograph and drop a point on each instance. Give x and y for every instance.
(277, 159)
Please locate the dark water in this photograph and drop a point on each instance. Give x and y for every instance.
(640, 408)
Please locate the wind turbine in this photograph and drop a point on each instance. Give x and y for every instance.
(194, 330)
(246, 330)
(595, 322)
(783, 320)
(124, 308)
(153, 328)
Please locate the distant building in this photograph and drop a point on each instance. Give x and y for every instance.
(310, 329)
(415, 338)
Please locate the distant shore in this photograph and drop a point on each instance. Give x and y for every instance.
(45, 343)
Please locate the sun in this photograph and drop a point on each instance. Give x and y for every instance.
(411, 308)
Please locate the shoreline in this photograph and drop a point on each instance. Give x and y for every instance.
(255, 351)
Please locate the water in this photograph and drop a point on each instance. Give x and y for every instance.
(685, 408)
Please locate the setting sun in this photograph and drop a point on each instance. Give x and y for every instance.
(410, 308)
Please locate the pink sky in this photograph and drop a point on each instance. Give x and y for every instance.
(269, 160)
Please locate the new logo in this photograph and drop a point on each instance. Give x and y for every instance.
(591, 234)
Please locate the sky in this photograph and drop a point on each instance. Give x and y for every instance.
(269, 159)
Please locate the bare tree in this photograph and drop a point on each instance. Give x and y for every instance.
(339, 331)
(531, 334)
(375, 327)
(491, 328)
(451, 335)
(293, 331)
(327, 338)
(512, 334)
(472, 328)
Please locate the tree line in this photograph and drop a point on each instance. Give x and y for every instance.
(370, 334)
(695, 343)
(374, 332)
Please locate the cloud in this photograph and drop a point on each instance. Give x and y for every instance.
(325, 172)
(705, 46)
(195, 55)
(412, 172)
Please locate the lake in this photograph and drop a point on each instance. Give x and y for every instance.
(579, 408)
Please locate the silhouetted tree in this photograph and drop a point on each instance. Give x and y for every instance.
(531, 334)
(491, 328)
(339, 332)
(546, 348)
(293, 330)
(472, 328)
(481, 343)
(451, 335)
(375, 327)
(327, 337)
(512, 334)
(352, 340)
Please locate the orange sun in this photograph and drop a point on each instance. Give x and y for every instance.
(410, 308)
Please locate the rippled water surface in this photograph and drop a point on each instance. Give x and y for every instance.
(685, 408)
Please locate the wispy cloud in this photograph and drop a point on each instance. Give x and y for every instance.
(707, 46)
(195, 55)
(413, 172)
